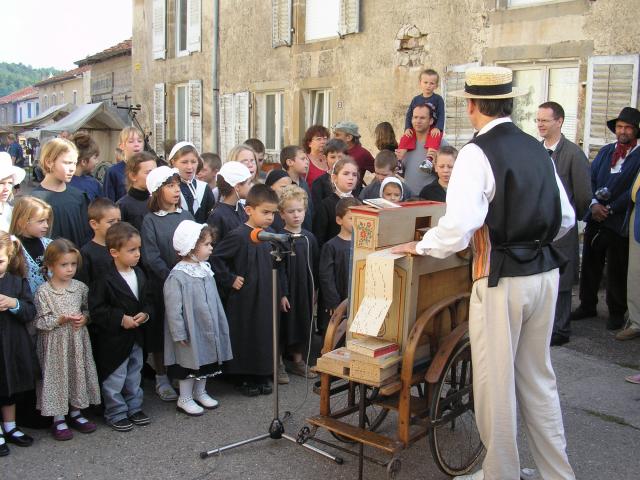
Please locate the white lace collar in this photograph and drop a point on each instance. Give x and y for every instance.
(164, 213)
(196, 270)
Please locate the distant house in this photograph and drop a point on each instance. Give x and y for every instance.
(19, 106)
(110, 74)
(68, 87)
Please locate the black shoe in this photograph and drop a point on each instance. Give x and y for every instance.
(265, 389)
(22, 441)
(581, 313)
(4, 449)
(615, 321)
(248, 389)
(557, 339)
(140, 418)
(123, 425)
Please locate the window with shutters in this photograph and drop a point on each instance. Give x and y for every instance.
(53, 100)
(29, 110)
(317, 107)
(182, 7)
(45, 102)
(188, 26)
(612, 84)
(37, 109)
(281, 23)
(326, 19)
(458, 130)
(269, 125)
(234, 121)
(195, 113)
(158, 28)
(552, 82)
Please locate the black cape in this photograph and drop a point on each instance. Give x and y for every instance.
(19, 368)
(333, 273)
(297, 284)
(249, 310)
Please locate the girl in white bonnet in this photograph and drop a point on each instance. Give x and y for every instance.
(196, 338)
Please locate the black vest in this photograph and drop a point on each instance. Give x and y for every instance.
(525, 213)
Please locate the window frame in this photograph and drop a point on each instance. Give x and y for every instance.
(261, 127)
(335, 34)
(546, 66)
(186, 111)
(178, 29)
(45, 102)
(54, 100)
(507, 4)
(310, 107)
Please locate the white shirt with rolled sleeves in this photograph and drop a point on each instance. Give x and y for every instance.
(471, 189)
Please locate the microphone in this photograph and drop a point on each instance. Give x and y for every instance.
(258, 235)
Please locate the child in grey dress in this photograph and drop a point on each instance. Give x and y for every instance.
(196, 338)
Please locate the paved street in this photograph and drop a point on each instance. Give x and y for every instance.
(601, 412)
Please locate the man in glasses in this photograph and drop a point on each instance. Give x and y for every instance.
(573, 169)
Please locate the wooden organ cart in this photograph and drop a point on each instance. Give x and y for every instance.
(430, 392)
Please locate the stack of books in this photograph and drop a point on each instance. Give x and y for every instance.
(373, 359)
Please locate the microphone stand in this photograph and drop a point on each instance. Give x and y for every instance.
(276, 428)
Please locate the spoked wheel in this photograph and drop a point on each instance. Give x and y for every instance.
(455, 440)
(347, 400)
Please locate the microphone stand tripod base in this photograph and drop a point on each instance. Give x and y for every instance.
(276, 428)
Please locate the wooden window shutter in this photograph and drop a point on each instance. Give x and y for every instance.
(194, 25)
(227, 130)
(281, 23)
(195, 113)
(458, 129)
(349, 16)
(241, 116)
(158, 28)
(158, 117)
(612, 84)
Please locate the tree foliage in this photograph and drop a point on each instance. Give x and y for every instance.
(14, 76)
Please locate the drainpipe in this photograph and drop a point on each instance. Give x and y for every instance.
(215, 57)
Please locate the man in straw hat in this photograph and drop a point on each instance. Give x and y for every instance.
(504, 195)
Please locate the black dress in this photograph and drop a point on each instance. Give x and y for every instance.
(321, 188)
(134, 206)
(248, 309)
(300, 270)
(96, 261)
(19, 368)
(333, 273)
(225, 218)
(324, 221)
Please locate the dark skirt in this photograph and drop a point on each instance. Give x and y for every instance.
(181, 373)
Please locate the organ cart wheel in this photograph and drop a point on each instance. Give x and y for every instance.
(393, 468)
(349, 398)
(454, 437)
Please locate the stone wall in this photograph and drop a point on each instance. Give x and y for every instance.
(111, 80)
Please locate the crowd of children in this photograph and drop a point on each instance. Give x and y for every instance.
(160, 264)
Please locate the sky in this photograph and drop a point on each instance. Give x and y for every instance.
(56, 33)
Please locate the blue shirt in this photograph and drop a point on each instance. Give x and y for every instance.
(114, 182)
(436, 100)
(87, 184)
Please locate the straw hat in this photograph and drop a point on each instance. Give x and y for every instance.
(488, 82)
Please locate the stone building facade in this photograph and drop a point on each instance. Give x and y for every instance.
(286, 64)
(111, 74)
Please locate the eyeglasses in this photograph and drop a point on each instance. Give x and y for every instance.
(543, 121)
(318, 139)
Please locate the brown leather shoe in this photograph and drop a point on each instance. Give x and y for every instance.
(628, 333)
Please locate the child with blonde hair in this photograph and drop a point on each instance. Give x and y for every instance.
(247, 156)
(131, 141)
(69, 205)
(32, 219)
(196, 333)
(18, 361)
(10, 176)
(69, 378)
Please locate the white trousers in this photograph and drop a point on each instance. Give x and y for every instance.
(510, 329)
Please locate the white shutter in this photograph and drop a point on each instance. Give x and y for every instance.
(612, 84)
(281, 23)
(241, 116)
(194, 25)
(158, 118)
(349, 16)
(195, 113)
(458, 128)
(227, 137)
(158, 26)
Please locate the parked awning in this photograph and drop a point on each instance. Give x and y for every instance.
(93, 116)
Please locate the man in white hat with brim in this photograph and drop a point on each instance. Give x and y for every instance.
(505, 197)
